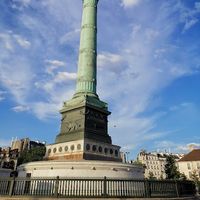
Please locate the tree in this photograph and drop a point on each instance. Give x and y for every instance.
(183, 177)
(34, 154)
(194, 176)
(171, 169)
(196, 179)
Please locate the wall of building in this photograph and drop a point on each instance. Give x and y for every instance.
(189, 167)
(155, 163)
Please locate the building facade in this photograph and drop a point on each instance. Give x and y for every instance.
(190, 164)
(10, 155)
(154, 163)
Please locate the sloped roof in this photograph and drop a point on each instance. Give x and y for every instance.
(194, 155)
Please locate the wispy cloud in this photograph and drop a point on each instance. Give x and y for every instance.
(136, 59)
(70, 36)
(182, 105)
(188, 16)
(189, 24)
(53, 65)
(129, 3)
(2, 95)
(10, 40)
(22, 41)
(176, 147)
(20, 108)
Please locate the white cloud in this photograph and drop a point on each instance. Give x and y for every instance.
(176, 147)
(21, 108)
(5, 38)
(49, 85)
(189, 24)
(2, 95)
(53, 65)
(192, 146)
(20, 4)
(64, 76)
(46, 110)
(180, 106)
(57, 63)
(70, 36)
(133, 67)
(22, 41)
(10, 40)
(110, 61)
(129, 3)
(18, 84)
(188, 16)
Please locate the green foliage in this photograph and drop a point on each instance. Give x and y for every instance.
(171, 169)
(137, 162)
(183, 177)
(35, 154)
(195, 177)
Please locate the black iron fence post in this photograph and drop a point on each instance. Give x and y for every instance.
(197, 188)
(56, 194)
(147, 187)
(177, 189)
(95, 187)
(105, 187)
(12, 184)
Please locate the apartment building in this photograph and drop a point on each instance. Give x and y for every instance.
(154, 163)
(190, 164)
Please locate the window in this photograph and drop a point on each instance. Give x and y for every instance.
(198, 165)
(188, 166)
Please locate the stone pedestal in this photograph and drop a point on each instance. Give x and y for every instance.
(84, 117)
(84, 132)
(84, 149)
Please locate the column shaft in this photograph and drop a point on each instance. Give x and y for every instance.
(86, 79)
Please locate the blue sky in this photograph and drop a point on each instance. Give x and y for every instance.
(148, 69)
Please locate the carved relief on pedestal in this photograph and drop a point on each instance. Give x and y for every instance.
(96, 120)
(70, 123)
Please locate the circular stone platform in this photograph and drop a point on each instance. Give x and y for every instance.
(81, 169)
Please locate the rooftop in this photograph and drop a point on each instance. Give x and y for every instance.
(194, 155)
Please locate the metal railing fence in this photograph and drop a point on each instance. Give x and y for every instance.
(105, 187)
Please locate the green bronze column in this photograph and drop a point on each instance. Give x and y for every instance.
(85, 116)
(86, 78)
